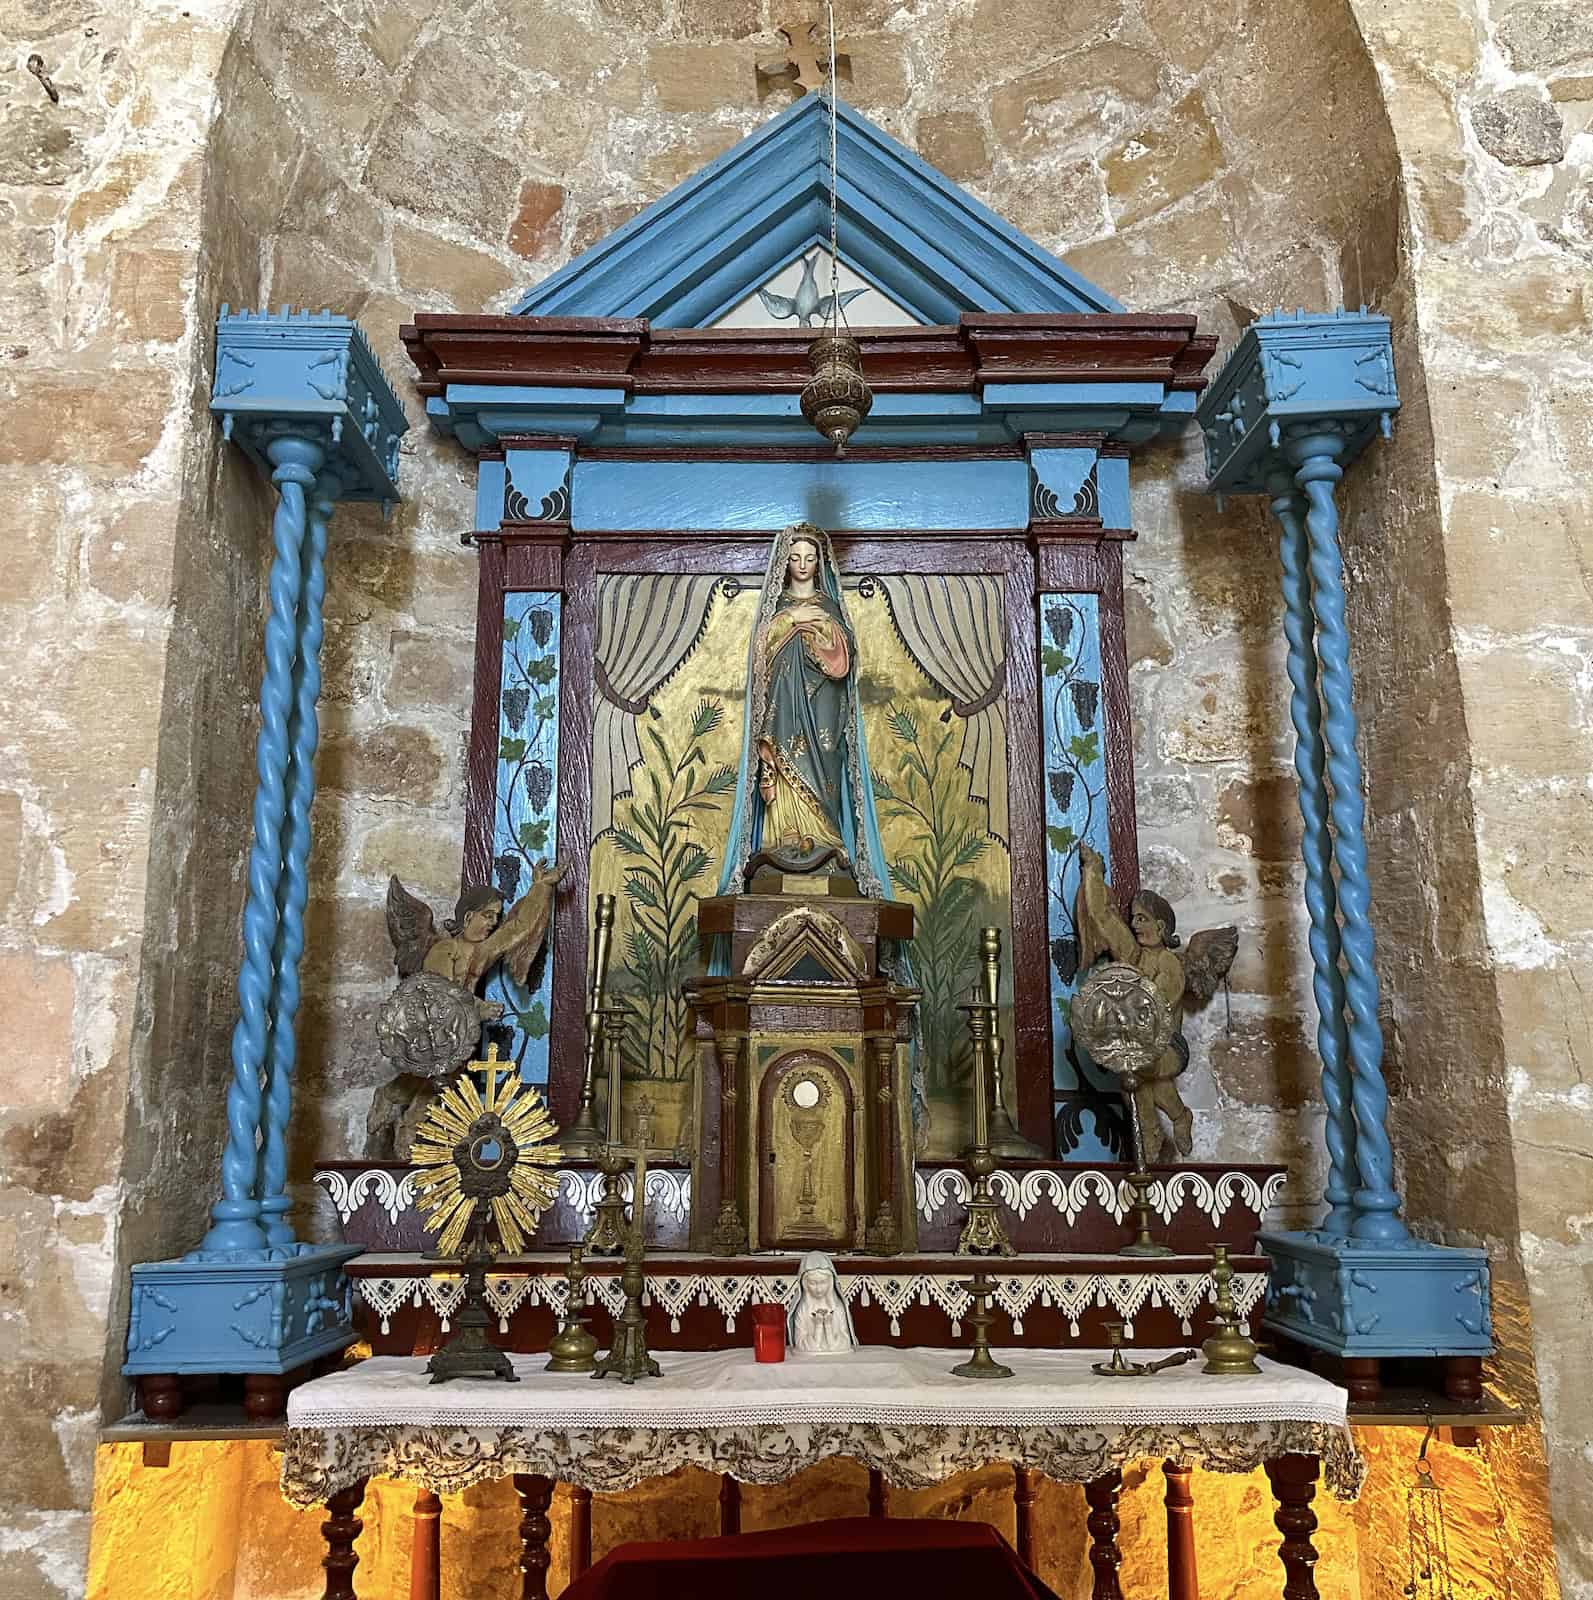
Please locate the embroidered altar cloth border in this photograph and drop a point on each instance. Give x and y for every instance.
(900, 1412)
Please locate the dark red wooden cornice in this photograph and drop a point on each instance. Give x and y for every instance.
(602, 352)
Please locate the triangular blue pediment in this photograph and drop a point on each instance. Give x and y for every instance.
(901, 226)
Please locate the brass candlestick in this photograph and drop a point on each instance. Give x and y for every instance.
(982, 1233)
(607, 1235)
(470, 1353)
(1229, 1350)
(981, 1364)
(1140, 1179)
(1006, 1143)
(583, 1137)
(1120, 1367)
(572, 1348)
(628, 1358)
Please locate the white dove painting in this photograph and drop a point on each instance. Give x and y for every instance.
(798, 296)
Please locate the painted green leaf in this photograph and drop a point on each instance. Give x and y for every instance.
(1054, 662)
(1062, 839)
(534, 1022)
(534, 835)
(511, 749)
(543, 670)
(511, 627)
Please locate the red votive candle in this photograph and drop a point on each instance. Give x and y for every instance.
(768, 1332)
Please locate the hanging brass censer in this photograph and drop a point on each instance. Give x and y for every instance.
(837, 397)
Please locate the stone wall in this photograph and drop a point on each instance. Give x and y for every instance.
(1219, 156)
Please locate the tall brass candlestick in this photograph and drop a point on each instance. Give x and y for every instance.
(607, 1237)
(583, 1136)
(982, 1233)
(1006, 1143)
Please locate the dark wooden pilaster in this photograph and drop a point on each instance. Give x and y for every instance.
(1101, 1496)
(1294, 1488)
(340, 1530)
(536, 1495)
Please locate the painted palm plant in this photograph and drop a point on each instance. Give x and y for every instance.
(666, 865)
(934, 873)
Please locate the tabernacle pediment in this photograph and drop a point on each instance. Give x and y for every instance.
(925, 249)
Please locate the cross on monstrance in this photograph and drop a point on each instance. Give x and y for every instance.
(488, 1071)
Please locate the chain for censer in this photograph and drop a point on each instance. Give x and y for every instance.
(1428, 1531)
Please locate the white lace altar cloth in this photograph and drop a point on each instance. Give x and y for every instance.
(898, 1411)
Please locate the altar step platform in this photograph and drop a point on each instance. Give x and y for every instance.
(1067, 1282)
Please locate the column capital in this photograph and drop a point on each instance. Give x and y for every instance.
(1291, 387)
(309, 376)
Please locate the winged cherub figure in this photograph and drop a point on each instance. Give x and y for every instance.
(1149, 942)
(431, 1024)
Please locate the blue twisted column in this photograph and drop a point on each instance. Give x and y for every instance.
(1321, 895)
(293, 888)
(1314, 451)
(236, 1229)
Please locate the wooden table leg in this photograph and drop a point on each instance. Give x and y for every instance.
(1101, 1496)
(1363, 1377)
(1463, 1377)
(1023, 1491)
(729, 1504)
(1294, 1487)
(580, 1530)
(425, 1550)
(879, 1494)
(340, 1530)
(1183, 1580)
(536, 1495)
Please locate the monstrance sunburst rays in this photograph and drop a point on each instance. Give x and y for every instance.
(494, 1147)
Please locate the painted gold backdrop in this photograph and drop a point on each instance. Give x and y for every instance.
(672, 817)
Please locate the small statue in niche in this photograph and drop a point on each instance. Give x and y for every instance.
(819, 1323)
(430, 1026)
(1149, 942)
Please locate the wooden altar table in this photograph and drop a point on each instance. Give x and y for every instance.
(899, 1412)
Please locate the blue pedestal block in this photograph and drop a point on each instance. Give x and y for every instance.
(1356, 1298)
(240, 1316)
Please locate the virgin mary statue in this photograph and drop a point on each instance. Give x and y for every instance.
(804, 794)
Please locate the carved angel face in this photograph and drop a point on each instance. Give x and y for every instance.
(1121, 1019)
(482, 922)
(802, 562)
(1146, 925)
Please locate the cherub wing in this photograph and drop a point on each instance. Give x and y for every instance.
(411, 927)
(1207, 960)
(525, 929)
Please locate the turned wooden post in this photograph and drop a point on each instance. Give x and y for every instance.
(730, 1232)
(1294, 1487)
(1023, 1491)
(879, 1494)
(1183, 1580)
(1463, 1377)
(1363, 1378)
(425, 1550)
(160, 1395)
(580, 1530)
(340, 1530)
(1100, 1494)
(536, 1495)
(729, 1504)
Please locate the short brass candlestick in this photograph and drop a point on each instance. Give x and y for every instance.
(628, 1358)
(1120, 1367)
(981, 1364)
(1006, 1143)
(982, 1233)
(572, 1348)
(1229, 1350)
(583, 1137)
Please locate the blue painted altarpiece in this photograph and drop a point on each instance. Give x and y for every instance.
(638, 443)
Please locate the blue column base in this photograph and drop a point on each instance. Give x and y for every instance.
(1357, 1298)
(240, 1316)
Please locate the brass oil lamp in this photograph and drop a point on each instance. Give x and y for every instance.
(836, 398)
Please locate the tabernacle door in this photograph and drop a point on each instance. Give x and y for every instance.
(805, 1154)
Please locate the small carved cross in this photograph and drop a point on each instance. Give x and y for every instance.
(805, 64)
